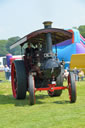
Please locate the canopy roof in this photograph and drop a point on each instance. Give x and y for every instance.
(58, 35)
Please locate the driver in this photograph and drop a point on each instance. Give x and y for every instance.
(29, 51)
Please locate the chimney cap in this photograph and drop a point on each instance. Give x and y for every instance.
(47, 23)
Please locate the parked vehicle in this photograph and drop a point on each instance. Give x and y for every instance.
(2, 62)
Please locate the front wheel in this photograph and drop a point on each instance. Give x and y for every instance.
(72, 87)
(31, 83)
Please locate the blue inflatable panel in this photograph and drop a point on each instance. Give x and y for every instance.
(65, 52)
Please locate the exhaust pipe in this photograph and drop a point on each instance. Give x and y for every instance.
(47, 24)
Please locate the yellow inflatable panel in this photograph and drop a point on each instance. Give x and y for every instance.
(78, 61)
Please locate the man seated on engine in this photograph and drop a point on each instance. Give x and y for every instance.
(29, 51)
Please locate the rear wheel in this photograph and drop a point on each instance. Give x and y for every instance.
(19, 79)
(31, 83)
(59, 82)
(72, 87)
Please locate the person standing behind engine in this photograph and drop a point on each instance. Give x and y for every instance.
(9, 72)
(76, 71)
(6, 70)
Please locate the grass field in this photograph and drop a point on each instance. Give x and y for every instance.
(48, 112)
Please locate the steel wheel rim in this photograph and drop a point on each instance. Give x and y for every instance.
(14, 81)
(34, 100)
(69, 87)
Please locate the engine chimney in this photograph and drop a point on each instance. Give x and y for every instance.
(47, 24)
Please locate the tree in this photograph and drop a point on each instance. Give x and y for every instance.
(3, 50)
(11, 41)
(82, 30)
(74, 27)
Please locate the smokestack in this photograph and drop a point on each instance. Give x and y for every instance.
(47, 24)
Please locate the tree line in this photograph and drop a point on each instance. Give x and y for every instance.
(5, 44)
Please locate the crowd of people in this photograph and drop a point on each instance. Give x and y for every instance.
(79, 74)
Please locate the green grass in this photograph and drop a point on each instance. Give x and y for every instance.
(48, 112)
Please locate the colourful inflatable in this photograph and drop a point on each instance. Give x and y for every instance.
(78, 61)
(65, 49)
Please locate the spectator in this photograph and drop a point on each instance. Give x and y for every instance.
(76, 73)
(66, 73)
(6, 69)
(63, 62)
(10, 73)
(81, 75)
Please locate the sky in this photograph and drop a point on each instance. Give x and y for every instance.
(21, 17)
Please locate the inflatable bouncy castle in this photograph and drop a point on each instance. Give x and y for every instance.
(65, 49)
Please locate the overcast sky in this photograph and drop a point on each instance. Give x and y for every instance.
(20, 17)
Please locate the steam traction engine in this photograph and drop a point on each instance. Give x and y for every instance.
(43, 72)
